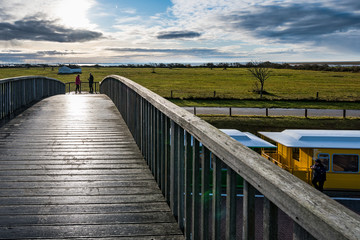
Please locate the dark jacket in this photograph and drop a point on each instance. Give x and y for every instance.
(91, 79)
(319, 172)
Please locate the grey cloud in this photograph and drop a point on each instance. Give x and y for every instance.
(188, 51)
(296, 22)
(44, 30)
(178, 34)
(54, 53)
(20, 56)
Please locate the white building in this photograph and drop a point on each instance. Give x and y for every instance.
(69, 69)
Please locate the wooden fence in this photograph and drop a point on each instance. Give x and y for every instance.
(178, 148)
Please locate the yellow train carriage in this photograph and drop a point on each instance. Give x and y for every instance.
(338, 150)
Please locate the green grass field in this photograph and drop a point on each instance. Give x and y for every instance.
(231, 87)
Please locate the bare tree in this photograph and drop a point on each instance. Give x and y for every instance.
(261, 73)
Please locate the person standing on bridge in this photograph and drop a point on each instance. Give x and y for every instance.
(91, 81)
(77, 83)
(319, 172)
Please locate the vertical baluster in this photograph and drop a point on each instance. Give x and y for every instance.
(248, 211)
(154, 139)
(148, 133)
(205, 192)
(157, 155)
(181, 180)
(162, 152)
(150, 138)
(196, 178)
(167, 159)
(188, 179)
(230, 231)
(173, 169)
(270, 220)
(142, 126)
(216, 207)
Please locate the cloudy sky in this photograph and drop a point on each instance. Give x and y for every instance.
(144, 31)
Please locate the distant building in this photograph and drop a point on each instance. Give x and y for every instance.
(69, 69)
(248, 139)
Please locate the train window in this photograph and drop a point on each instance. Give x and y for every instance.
(324, 158)
(295, 154)
(345, 163)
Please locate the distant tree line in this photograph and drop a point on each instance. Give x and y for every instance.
(224, 66)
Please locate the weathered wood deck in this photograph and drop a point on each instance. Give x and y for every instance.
(69, 168)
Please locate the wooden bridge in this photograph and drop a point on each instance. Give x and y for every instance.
(78, 166)
(70, 168)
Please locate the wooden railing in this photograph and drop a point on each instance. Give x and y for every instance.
(19, 92)
(169, 138)
(86, 88)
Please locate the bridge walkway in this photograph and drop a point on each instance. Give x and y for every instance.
(69, 168)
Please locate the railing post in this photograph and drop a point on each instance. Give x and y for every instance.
(162, 152)
(216, 198)
(270, 220)
(188, 180)
(205, 173)
(173, 169)
(230, 231)
(181, 173)
(167, 159)
(248, 211)
(196, 174)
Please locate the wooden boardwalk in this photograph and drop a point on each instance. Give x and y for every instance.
(69, 168)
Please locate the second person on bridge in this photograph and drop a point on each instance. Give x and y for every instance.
(77, 83)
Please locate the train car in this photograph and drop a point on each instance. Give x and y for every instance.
(338, 150)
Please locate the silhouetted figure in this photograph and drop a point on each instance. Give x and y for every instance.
(319, 177)
(91, 81)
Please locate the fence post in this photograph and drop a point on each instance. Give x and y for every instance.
(344, 113)
(306, 113)
(171, 94)
(267, 112)
(214, 94)
(230, 111)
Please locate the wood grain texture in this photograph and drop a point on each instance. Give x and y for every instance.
(69, 168)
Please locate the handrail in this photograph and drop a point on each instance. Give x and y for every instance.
(17, 93)
(169, 138)
(82, 82)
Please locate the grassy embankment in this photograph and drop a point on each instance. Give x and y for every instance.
(196, 86)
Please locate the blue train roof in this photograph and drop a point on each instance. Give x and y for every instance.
(337, 139)
(248, 139)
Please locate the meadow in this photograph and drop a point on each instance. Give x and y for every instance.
(231, 87)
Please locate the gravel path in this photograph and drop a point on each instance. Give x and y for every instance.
(300, 112)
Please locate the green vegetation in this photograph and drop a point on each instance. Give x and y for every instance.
(231, 87)
(274, 124)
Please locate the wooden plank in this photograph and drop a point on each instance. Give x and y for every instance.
(69, 168)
